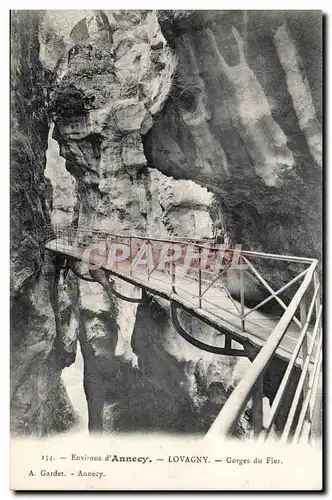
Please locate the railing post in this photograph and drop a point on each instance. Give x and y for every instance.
(242, 297)
(303, 318)
(173, 272)
(200, 277)
(317, 308)
(106, 250)
(116, 260)
(148, 243)
(316, 284)
(257, 406)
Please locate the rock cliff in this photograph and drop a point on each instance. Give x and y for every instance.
(39, 403)
(249, 83)
(170, 123)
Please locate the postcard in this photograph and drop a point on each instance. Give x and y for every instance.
(166, 250)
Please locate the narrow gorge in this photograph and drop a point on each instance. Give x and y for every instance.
(160, 124)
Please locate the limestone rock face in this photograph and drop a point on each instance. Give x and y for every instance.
(104, 102)
(299, 89)
(39, 403)
(243, 118)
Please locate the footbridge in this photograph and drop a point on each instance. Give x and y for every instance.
(281, 333)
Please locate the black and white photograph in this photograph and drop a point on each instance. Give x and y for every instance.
(166, 278)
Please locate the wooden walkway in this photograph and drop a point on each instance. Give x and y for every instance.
(204, 290)
(215, 306)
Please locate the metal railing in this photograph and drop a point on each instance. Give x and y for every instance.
(298, 410)
(232, 272)
(214, 284)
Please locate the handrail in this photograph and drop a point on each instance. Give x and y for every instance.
(137, 236)
(310, 397)
(251, 383)
(263, 255)
(283, 384)
(237, 401)
(77, 237)
(304, 372)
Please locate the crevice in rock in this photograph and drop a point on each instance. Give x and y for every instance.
(73, 380)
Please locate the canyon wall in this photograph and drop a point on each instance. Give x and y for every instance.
(249, 83)
(39, 403)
